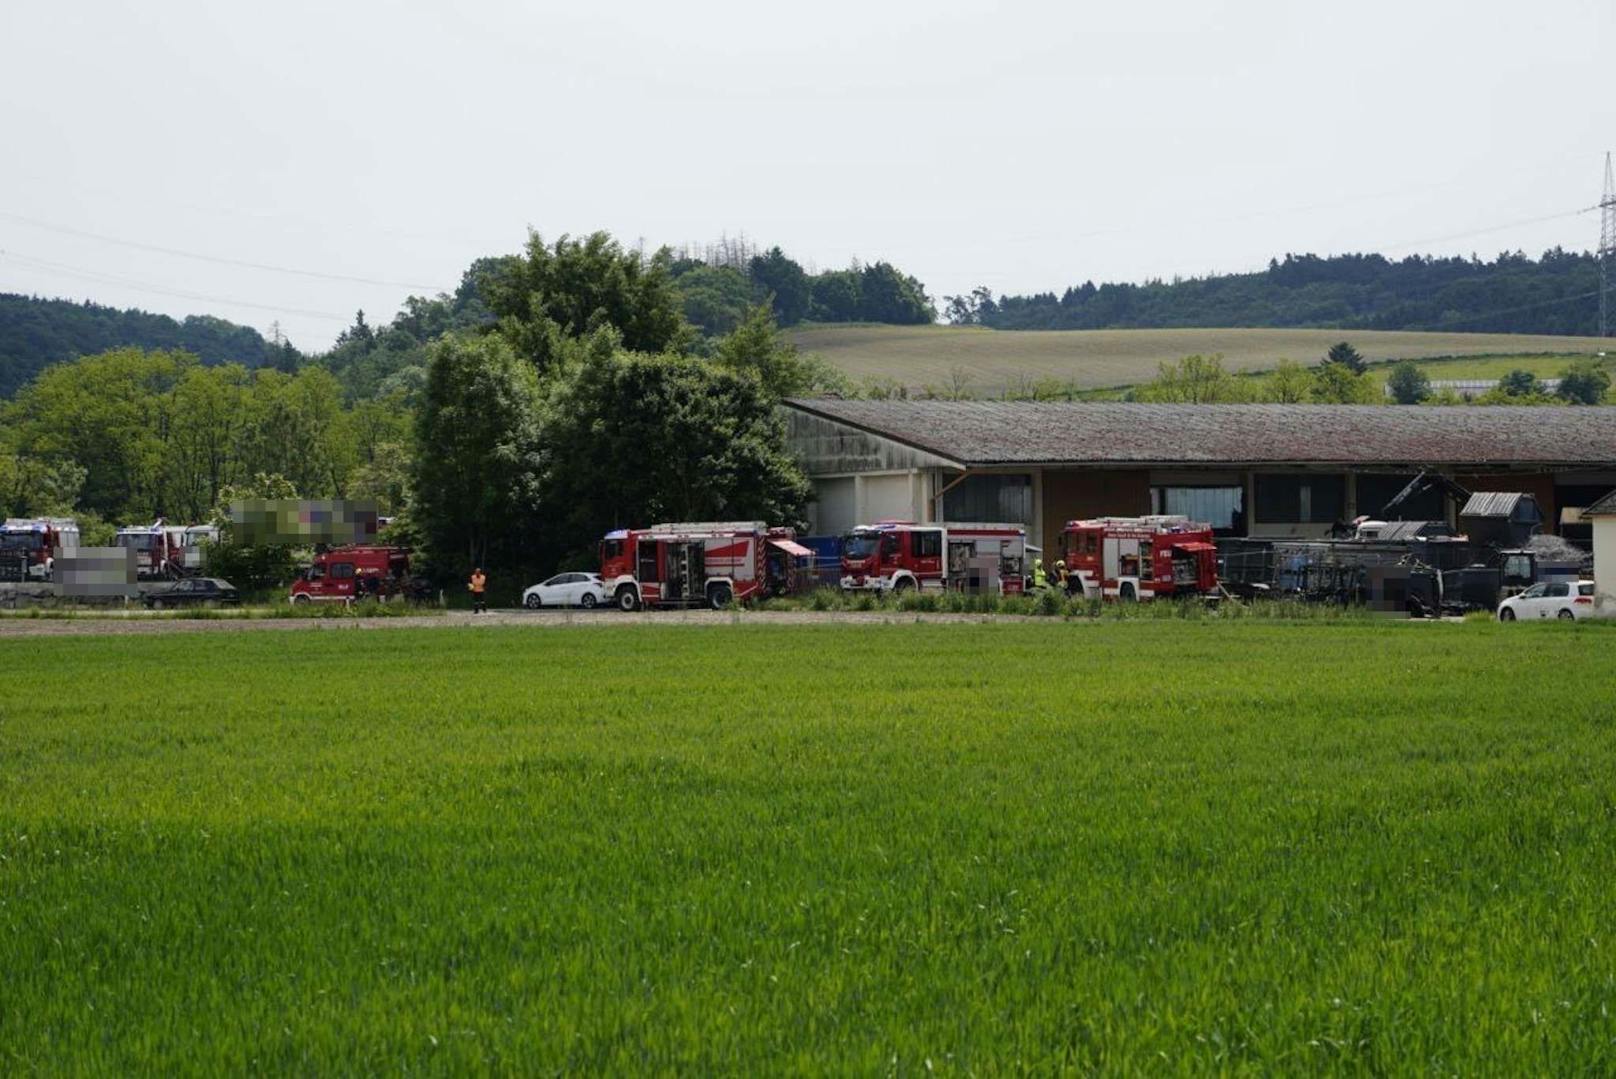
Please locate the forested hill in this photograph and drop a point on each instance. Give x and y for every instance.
(35, 333)
(1555, 294)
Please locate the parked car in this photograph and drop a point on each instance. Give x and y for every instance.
(1551, 599)
(194, 592)
(566, 590)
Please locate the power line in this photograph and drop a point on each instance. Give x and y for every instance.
(1490, 228)
(141, 286)
(1482, 316)
(219, 260)
(1607, 246)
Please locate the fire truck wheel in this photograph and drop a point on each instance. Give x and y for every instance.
(1127, 594)
(588, 601)
(902, 585)
(627, 600)
(718, 597)
(301, 598)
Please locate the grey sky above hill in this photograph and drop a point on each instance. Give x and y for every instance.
(1023, 146)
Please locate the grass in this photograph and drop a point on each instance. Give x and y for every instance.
(1051, 603)
(249, 612)
(1548, 365)
(1136, 847)
(915, 356)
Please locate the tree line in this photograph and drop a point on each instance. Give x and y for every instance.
(1513, 293)
(717, 288)
(557, 394)
(37, 332)
(131, 435)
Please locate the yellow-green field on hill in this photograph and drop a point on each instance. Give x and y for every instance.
(917, 356)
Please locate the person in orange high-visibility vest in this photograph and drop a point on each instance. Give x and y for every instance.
(479, 587)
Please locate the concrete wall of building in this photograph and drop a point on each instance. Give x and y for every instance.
(1605, 559)
(896, 497)
(842, 502)
(835, 508)
(1069, 494)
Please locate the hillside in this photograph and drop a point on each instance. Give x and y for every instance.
(1554, 294)
(916, 356)
(35, 333)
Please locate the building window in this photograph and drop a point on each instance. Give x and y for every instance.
(1303, 499)
(1224, 508)
(990, 498)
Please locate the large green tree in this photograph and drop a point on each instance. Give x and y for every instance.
(756, 347)
(476, 472)
(1408, 384)
(784, 282)
(635, 439)
(1584, 383)
(555, 293)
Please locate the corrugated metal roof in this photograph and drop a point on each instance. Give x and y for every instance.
(1046, 432)
(1406, 530)
(1604, 507)
(1491, 504)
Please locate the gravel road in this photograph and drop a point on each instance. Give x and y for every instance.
(114, 624)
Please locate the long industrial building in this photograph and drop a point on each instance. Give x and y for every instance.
(1249, 470)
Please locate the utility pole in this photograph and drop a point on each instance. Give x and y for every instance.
(1607, 250)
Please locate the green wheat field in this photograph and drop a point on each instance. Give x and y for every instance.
(1130, 846)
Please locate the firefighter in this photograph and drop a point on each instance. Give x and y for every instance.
(479, 590)
(1038, 578)
(1061, 582)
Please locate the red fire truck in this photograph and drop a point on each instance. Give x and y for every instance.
(897, 556)
(346, 574)
(29, 545)
(159, 549)
(701, 563)
(1138, 558)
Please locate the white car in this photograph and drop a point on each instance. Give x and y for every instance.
(566, 590)
(1553, 599)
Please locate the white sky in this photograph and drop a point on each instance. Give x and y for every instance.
(1023, 146)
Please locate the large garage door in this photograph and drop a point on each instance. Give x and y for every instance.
(832, 514)
(889, 498)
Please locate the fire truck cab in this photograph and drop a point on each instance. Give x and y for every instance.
(698, 564)
(900, 556)
(1139, 558)
(31, 544)
(346, 574)
(159, 549)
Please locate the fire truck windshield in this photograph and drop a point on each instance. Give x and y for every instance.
(860, 545)
(140, 541)
(22, 541)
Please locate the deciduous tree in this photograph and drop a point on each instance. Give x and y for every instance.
(1408, 384)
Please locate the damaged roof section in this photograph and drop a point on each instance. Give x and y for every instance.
(985, 433)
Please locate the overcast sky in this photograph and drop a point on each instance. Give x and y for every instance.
(1023, 146)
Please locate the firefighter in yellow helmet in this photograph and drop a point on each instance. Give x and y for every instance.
(1060, 574)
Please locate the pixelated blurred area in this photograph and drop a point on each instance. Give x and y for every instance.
(303, 521)
(98, 572)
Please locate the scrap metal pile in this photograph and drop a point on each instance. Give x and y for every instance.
(1418, 567)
